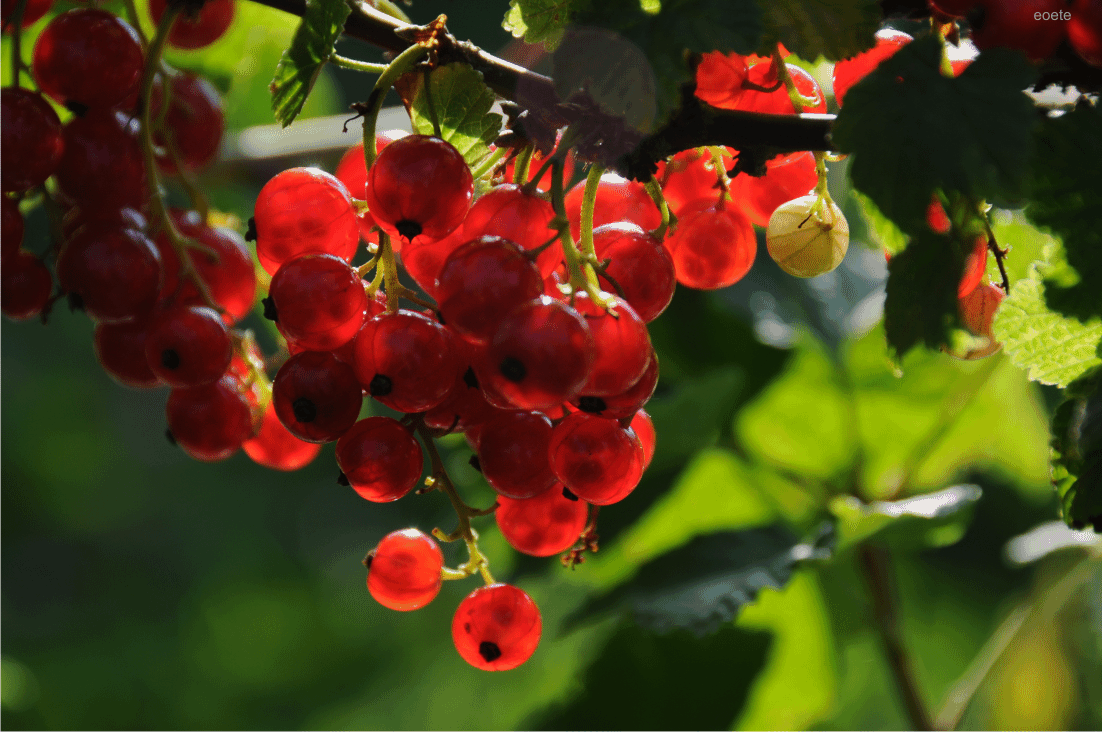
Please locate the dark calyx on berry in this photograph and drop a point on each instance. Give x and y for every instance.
(250, 233)
(568, 494)
(474, 463)
(76, 108)
(76, 302)
(512, 369)
(470, 379)
(592, 404)
(489, 651)
(342, 479)
(170, 437)
(270, 309)
(305, 410)
(380, 385)
(408, 229)
(170, 359)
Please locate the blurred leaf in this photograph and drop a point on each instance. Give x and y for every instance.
(834, 29)
(693, 415)
(921, 307)
(311, 47)
(1077, 452)
(931, 519)
(882, 230)
(462, 102)
(704, 583)
(1066, 198)
(540, 21)
(637, 674)
(970, 134)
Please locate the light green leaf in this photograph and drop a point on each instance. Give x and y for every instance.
(834, 29)
(931, 519)
(541, 21)
(881, 229)
(462, 102)
(310, 49)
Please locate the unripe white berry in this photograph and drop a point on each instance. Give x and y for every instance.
(804, 245)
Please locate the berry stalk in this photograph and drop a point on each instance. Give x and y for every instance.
(405, 61)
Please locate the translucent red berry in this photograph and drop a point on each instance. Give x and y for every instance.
(275, 447)
(786, 177)
(194, 122)
(316, 397)
(851, 70)
(26, 286)
(101, 166)
(719, 79)
(210, 422)
(643, 427)
(543, 525)
(690, 175)
(627, 402)
(188, 346)
(509, 212)
(714, 246)
(496, 627)
(974, 267)
(200, 29)
(420, 186)
(596, 458)
(87, 58)
(403, 571)
(618, 199)
(1085, 30)
(512, 454)
(30, 139)
(621, 346)
(115, 272)
(380, 458)
(227, 270)
(640, 265)
(318, 301)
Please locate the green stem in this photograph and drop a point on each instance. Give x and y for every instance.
(945, 65)
(721, 171)
(350, 63)
(489, 163)
(582, 277)
(668, 219)
(799, 101)
(16, 25)
(520, 167)
(135, 21)
(390, 272)
(589, 202)
(405, 61)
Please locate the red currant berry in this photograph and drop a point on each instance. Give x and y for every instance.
(102, 166)
(628, 402)
(120, 349)
(30, 139)
(195, 122)
(87, 58)
(714, 246)
(640, 265)
(936, 218)
(643, 427)
(380, 459)
(483, 281)
(198, 30)
(851, 70)
(114, 271)
(512, 454)
(424, 259)
(507, 211)
(407, 361)
(316, 396)
(188, 346)
(11, 234)
(318, 301)
(465, 409)
(403, 572)
(1016, 24)
(419, 186)
(33, 11)
(1085, 30)
(977, 310)
(719, 79)
(26, 286)
(596, 458)
(275, 447)
(543, 525)
(786, 178)
(764, 74)
(622, 346)
(352, 171)
(540, 357)
(535, 163)
(496, 627)
(304, 211)
(690, 175)
(618, 199)
(210, 422)
(974, 267)
(227, 271)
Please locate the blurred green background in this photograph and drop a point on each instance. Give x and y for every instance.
(141, 589)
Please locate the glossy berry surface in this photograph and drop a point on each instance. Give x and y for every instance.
(618, 199)
(304, 211)
(974, 267)
(30, 139)
(690, 175)
(202, 29)
(483, 281)
(210, 422)
(510, 213)
(540, 357)
(713, 246)
(195, 122)
(89, 58)
(719, 79)
(275, 447)
(848, 72)
(627, 402)
(496, 627)
(403, 571)
(227, 271)
(420, 186)
(316, 397)
(380, 459)
(640, 265)
(319, 301)
(26, 286)
(101, 166)
(352, 168)
(622, 346)
(188, 346)
(786, 177)
(543, 525)
(116, 272)
(120, 350)
(512, 454)
(643, 427)
(597, 459)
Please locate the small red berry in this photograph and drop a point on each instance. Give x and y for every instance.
(198, 30)
(403, 571)
(30, 139)
(496, 627)
(543, 525)
(318, 301)
(596, 458)
(317, 397)
(380, 459)
(275, 447)
(210, 422)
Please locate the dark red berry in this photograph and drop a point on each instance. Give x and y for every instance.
(522, 218)
(188, 346)
(87, 57)
(30, 139)
(496, 627)
(319, 301)
(228, 272)
(403, 571)
(26, 286)
(596, 458)
(194, 122)
(210, 422)
(643, 427)
(275, 447)
(512, 453)
(200, 29)
(32, 12)
(424, 259)
(640, 265)
(483, 281)
(11, 233)
(304, 211)
(420, 186)
(316, 396)
(120, 349)
(1085, 30)
(407, 361)
(621, 346)
(543, 525)
(1033, 26)
(380, 458)
(102, 162)
(626, 403)
(116, 272)
(127, 218)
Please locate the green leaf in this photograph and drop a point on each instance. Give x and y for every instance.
(1055, 349)
(462, 104)
(694, 414)
(882, 231)
(703, 584)
(310, 49)
(664, 37)
(921, 305)
(1067, 198)
(930, 519)
(834, 29)
(1077, 453)
(970, 134)
(541, 21)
